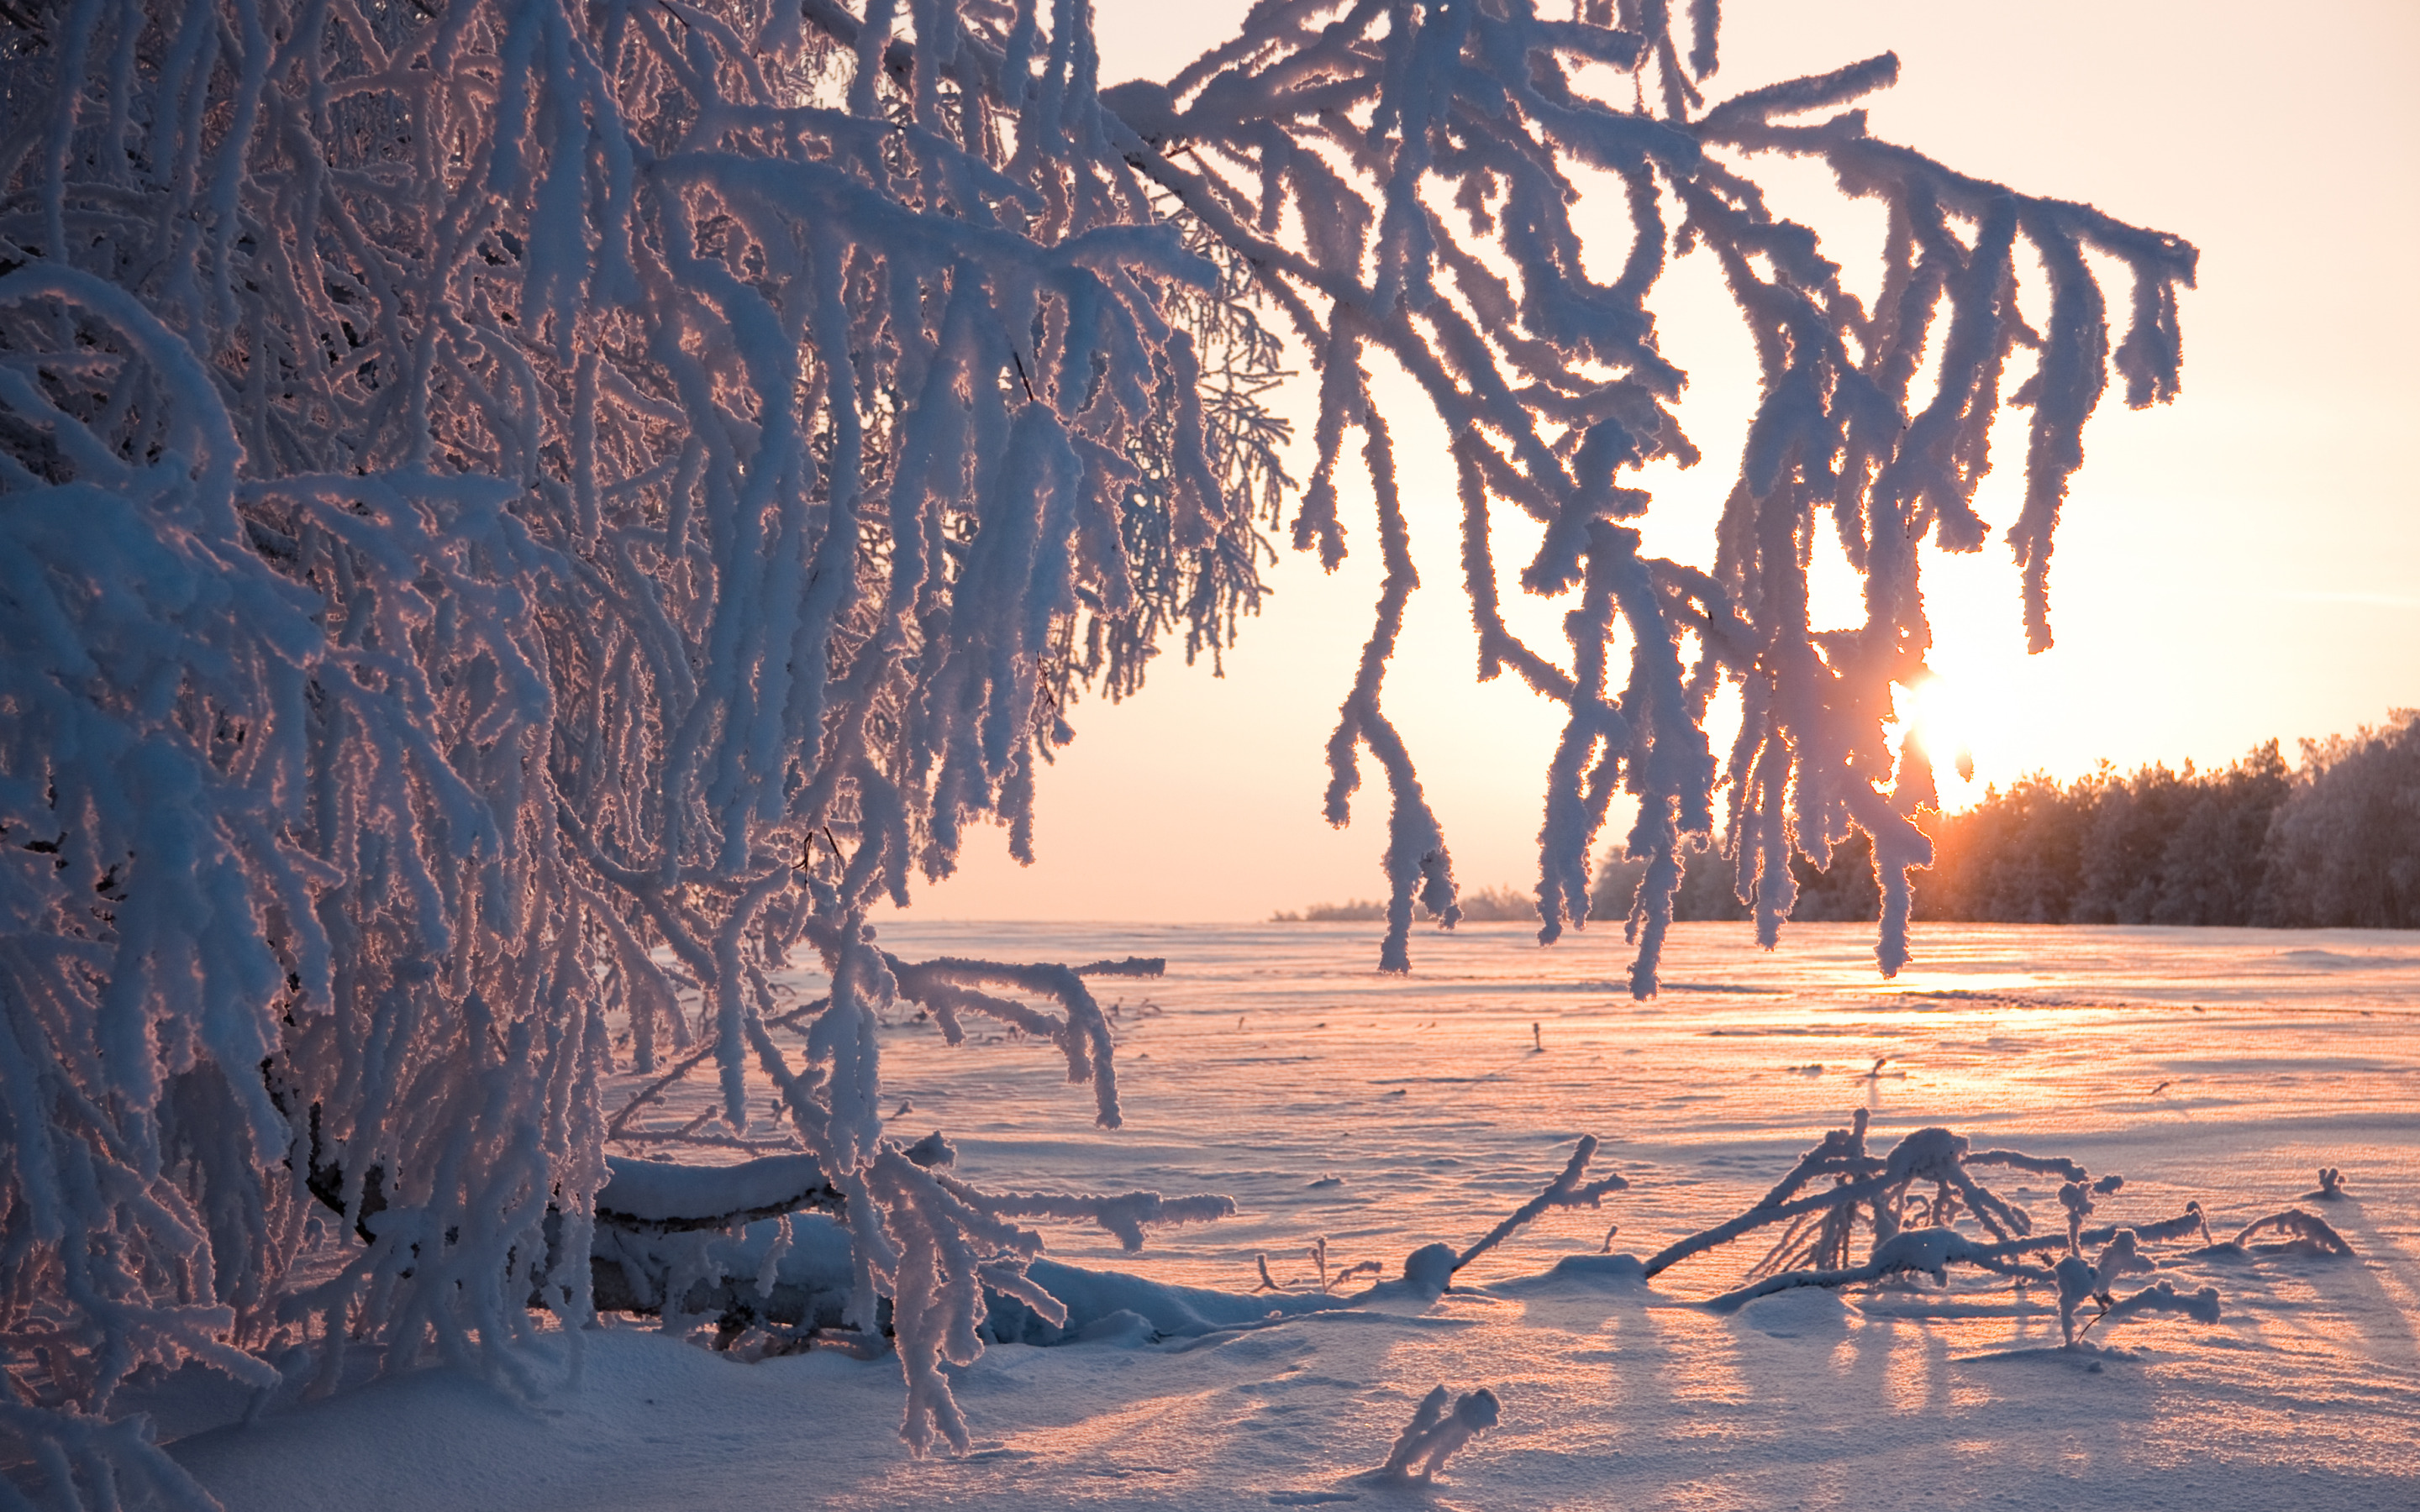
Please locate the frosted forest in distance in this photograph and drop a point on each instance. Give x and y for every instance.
(526, 521)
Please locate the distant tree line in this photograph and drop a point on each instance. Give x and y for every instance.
(1480, 906)
(2333, 842)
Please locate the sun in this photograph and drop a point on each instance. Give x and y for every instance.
(1946, 719)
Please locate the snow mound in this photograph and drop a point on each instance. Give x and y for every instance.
(1802, 1312)
(1578, 1273)
(1099, 1302)
(1122, 1329)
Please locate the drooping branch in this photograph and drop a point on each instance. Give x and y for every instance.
(1336, 121)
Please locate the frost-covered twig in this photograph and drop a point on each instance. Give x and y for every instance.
(1125, 1216)
(1268, 1282)
(948, 986)
(1564, 1191)
(656, 1089)
(1435, 1432)
(1933, 1251)
(1322, 1279)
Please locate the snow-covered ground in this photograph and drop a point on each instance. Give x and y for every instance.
(1272, 1064)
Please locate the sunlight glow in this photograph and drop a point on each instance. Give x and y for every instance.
(1948, 720)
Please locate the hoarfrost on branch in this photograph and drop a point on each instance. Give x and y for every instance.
(511, 508)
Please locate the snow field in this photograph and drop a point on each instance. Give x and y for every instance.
(1337, 1110)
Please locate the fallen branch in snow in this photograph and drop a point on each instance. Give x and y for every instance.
(653, 1221)
(630, 1274)
(2306, 1233)
(1876, 1191)
(1921, 1251)
(1126, 1216)
(1431, 1268)
(687, 1276)
(2161, 1296)
(662, 1197)
(1933, 1251)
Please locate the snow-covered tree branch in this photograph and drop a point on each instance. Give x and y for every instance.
(507, 506)
(1324, 141)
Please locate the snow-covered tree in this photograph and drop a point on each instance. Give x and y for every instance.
(505, 501)
(2345, 846)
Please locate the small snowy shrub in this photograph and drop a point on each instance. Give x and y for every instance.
(1913, 1232)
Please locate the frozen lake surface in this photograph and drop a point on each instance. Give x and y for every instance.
(1271, 1063)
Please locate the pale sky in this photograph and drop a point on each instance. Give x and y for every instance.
(2239, 566)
